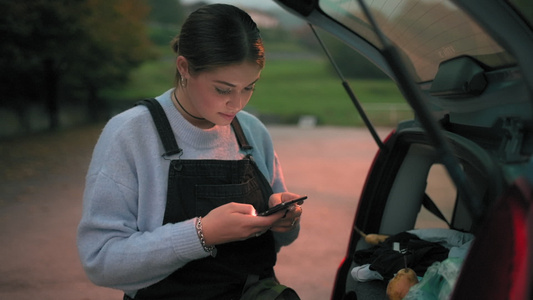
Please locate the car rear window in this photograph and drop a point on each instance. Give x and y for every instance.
(428, 32)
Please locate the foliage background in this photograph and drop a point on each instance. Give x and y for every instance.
(66, 51)
(67, 62)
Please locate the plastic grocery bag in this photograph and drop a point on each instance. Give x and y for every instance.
(438, 281)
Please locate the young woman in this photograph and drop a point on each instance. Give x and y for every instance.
(175, 184)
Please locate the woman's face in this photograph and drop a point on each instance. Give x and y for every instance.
(218, 95)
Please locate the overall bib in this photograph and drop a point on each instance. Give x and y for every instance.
(195, 187)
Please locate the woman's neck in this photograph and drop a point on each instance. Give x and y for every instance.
(182, 104)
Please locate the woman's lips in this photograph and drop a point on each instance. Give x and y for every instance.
(227, 116)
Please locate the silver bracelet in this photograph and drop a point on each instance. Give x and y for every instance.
(209, 249)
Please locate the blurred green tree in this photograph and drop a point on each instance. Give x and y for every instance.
(66, 50)
(117, 43)
(166, 12)
(37, 36)
(166, 16)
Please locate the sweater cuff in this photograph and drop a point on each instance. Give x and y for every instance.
(186, 243)
(285, 238)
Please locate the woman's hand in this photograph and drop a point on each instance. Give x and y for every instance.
(289, 218)
(234, 222)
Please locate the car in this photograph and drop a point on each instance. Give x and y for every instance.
(465, 68)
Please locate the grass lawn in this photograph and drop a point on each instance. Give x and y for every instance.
(290, 89)
(287, 90)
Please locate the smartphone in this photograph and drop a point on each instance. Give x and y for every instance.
(281, 206)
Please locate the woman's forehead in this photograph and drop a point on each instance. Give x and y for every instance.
(234, 75)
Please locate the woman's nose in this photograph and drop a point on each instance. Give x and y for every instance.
(235, 102)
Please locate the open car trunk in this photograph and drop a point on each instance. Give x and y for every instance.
(408, 177)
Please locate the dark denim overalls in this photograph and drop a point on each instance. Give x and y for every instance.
(195, 187)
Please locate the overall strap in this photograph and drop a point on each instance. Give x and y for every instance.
(163, 126)
(241, 138)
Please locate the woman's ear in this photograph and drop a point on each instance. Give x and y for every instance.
(183, 67)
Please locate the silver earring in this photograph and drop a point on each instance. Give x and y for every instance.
(183, 82)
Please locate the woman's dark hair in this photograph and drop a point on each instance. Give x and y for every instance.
(218, 35)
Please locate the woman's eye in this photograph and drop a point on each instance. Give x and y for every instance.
(250, 88)
(222, 91)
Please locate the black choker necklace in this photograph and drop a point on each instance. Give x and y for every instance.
(195, 117)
